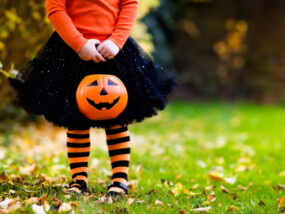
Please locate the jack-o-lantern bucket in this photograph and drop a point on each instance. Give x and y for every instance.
(101, 96)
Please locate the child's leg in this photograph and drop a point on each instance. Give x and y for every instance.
(78, 149)
(118, 141)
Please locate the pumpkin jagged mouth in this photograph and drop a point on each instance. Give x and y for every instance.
(103, 105)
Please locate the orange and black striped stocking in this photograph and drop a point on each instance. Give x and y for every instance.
(118, 142)
(78, 149)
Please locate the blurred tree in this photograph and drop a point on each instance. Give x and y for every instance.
(227, 49)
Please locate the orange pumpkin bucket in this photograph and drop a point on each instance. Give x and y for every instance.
(101, 96)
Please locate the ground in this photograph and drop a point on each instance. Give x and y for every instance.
(192, 157)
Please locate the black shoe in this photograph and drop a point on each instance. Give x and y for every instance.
(77, 186)
(119, 185)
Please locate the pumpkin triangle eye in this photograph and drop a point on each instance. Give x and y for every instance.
(111, 83)
(95, 83)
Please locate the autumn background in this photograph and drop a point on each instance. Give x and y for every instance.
(219, 145)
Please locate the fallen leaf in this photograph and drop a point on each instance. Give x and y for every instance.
(206, 203)
(140, 201)
(3, 177)
(178, 176)
(202, 164)
(46, 206)
(41, 180)
(211, 197)
(232, 208)
(157, 202)
(54, 198)
(7, 203)
(201, 209)
(281, 202)
(182, 212)
(132, 188)
(12, 192)
(216, 176)
(210, 187)
(177, 189)
(242, 188)
(65, 207)
(241, 168)
(38, 209)
(153, 191)
(231, 180)
(139, 169)
(130, 201)
(281, 186)
(234, 196)
(32, 200)
(43, 199)
(28, 169)
(224, 189)
(251, 201)
(195, 186)
(73, 204)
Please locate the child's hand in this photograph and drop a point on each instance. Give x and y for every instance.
(108, 49)
(89, 52)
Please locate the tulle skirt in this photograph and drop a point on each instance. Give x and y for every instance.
(57, 70)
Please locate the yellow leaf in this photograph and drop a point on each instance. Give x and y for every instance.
(281, 202)
(211, 197)
(177, 189)
(216, 176)
(232, 208)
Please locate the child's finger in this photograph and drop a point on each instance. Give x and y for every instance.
(107, 55)
(100, 58)
(110, 56)
(100, 47)
(104, 52)
(94, 59)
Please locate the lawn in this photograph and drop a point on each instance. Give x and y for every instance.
(192, 157)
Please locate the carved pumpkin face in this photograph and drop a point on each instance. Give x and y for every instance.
(101, 97)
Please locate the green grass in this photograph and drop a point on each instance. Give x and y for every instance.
(181, 146)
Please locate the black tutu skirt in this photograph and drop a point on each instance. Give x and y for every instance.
(56, 71)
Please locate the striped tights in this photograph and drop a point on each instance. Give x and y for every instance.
(78, 149)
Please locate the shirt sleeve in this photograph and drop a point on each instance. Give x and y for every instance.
(62, 23)
(126, 20)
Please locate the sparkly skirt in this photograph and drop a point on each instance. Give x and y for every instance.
(56, 71)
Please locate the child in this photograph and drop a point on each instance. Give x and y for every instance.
(92, 37)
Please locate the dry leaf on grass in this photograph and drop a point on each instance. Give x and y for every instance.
(201, 209)
(224, 189)
(130, 201)
(232, 209)
(3, 177)
(32, 200)
(38, 209)
(211, 197)
(242, 188)
(281, 202)
(216, 176)
(7, 203)
(65, 207)
(157, 202)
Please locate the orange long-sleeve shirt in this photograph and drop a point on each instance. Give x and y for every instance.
(78, 20)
